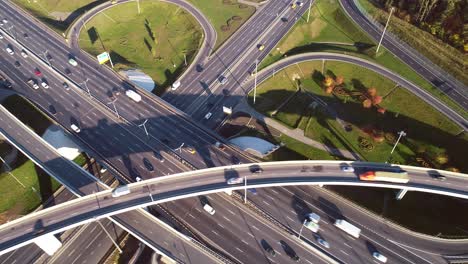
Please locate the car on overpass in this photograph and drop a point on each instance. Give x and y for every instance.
(235, 180)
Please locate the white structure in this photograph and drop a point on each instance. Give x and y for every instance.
(140, 79)
(253, 145)
(49, 243)
(55, 136)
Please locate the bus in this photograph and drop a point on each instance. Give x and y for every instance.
(387, 176)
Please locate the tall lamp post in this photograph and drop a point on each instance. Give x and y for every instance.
(385, 29)
(401, 134)
(115, 108)
(144, 126)
(255, 80)
(300, 231)
(245, 189)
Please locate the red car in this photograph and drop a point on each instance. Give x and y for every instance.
(37, 72)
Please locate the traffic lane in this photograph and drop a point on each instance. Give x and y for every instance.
(218, 230)
(159, 236)
(100, 79)
(261, 229)
(291, 207)
(90, 248)
(418, 62)
(421, 243)
(229, 51)
(240, 74)
(43, 98)
(375, 240)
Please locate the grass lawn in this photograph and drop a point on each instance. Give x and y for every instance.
(430, 135)
(58, 14)
(292, 149)
(154, 41)
(222, 14)
(330, 30)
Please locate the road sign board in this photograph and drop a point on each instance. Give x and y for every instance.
(103, 57)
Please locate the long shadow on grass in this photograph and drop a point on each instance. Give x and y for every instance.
(419, 134)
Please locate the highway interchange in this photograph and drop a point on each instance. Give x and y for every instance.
(164, 125)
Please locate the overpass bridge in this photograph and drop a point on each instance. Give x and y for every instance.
(81, 183)
(188, 184)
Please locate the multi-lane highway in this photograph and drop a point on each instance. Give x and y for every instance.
(448, 85)
(189, 184)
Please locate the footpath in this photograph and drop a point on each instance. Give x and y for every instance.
(296, 133)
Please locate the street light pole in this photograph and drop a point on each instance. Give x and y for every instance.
(144, 126)
(300, 231)
(308, 13)
(113, 241)
(180, 147)
(86, 85)
(47, 59)
(255, 81)
(385, 29)
(115, 108)
(401, 134)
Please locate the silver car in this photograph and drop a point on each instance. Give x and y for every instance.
(235, 180)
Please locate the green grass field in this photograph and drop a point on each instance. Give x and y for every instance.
(219, 13)
(330, 30)
(403, 111)
(154, 41)
(58, 14)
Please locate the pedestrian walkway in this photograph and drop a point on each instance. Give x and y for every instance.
(296, 133)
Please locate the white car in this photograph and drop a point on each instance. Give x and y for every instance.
(347, 169)
(10, 51)
(208, 116)
(323, 243)
(379, 257)
(313, 217)
(72, 62)
(45, 85)
(299, 3)
(75, 128)
(209, 209)
(175, 85)
(235, 180)
(24, 54)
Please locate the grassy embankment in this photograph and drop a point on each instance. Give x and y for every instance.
(38, 185)
(154, 41)
(445, 56)
(431, 137)
(227, 14)
(58, 14)
(330, 30)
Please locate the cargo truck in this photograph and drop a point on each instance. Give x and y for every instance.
(348, 228)
(133, 95)
(387, 176)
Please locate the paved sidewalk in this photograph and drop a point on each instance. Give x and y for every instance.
(297, 134)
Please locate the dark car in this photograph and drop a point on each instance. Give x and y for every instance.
(17, 64)
(199, 67)
(235, 160)
(148, 164)
(439, 177)
(52, 110)
(289, 251)
(268, 248)
(256, 169)
(271, 251)
(158, 156)
(65, 85)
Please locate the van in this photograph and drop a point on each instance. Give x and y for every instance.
(209, 209)
(133, 95)
(121, 190)
(175, 85)
(313, 217)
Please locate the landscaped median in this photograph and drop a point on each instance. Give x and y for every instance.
(330, 30)
(349, 107)
(157, 41)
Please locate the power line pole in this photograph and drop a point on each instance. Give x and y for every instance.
(385, 29)
(401, 134)
(255, 81)
(308, 13)
(144, 126)
(245, 189)
(115, 108)
(300, 231)
(113, 241)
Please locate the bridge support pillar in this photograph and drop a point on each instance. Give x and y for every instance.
(49, 243)
(401, 193)
(320, 185)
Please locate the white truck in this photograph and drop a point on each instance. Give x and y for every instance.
(121, 190)
(348, 228)
(133, 95)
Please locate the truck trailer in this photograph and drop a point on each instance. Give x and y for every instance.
(387, 176)
(348, 228)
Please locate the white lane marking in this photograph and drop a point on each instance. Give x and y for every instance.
(226, 218)
(344, 252)
(254, 227)
(239, 249)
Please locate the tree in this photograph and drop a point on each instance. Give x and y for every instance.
(329, 89)
(339, 80)
(367, 103)
(328, 81)
(377, 99)
(372, 92)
